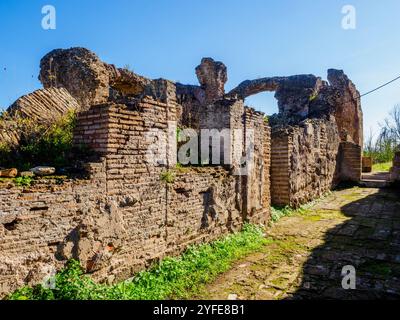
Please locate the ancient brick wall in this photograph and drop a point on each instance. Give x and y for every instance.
(280, 192)
(137, 205)
(304, 161)
(250, 140)
(395, 170)
(126, 215)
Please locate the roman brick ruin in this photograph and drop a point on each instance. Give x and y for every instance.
(136, 205)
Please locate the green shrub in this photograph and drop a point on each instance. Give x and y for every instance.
(171, 278)
(40, 144)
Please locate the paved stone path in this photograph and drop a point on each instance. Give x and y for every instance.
(306, 252)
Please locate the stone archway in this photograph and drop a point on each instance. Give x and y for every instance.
(316, 138)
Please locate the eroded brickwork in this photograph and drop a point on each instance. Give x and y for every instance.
(35, 223)
(304, 165)
(395, 170)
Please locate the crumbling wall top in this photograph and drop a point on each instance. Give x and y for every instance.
(212, 77)
(92, 81)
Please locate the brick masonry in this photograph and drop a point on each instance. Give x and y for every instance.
(125, 216)
(309, 159)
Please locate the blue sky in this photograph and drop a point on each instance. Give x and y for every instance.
(254, 38)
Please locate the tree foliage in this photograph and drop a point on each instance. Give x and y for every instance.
(383, 147)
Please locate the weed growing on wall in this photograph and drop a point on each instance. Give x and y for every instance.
(279, 212)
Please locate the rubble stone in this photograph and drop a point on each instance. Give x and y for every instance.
(8, 173)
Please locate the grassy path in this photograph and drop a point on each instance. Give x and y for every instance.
(305, 253)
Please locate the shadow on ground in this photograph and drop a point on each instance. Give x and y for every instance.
(369, 240)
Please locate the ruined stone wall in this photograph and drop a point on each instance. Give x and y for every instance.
(44, 106)
(113, 236)
(249, 135)
(348, 112)
(137, 205)
(36, 224)
(198, 205)
(350, 161)
(126, 215)
(304, 161)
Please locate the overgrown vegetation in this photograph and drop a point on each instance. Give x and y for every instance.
(171, 278)
(128, 67)
(40, 144)
(313, 96)
(383, 147)
(279, 212)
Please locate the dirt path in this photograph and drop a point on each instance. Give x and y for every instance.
(306, 252)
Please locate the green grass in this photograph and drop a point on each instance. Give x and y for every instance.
(167, 176)
(382, 167)
(172, 278)
(40, 144)
(279, 212)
